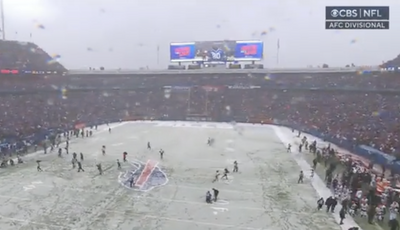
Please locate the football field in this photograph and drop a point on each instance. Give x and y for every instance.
(264, 194)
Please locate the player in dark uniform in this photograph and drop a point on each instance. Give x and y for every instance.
(235, 167)
(301, 176)
(80, 167)
(132, 182)
(208, 197)
(216, 192)
(320, 203)
(20, 161)
(161, 154)
(100, 169)
(124, 156)
(67, 144)
(225, 175)
(39, 169)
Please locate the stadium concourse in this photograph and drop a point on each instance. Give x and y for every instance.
(263, 195)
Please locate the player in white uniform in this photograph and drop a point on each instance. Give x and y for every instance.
(394, 210)
(352, 209)
(379, 213)
(338, 190)
(363, 209)
(216, 178)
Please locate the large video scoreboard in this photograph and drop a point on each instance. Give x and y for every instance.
(216, 52)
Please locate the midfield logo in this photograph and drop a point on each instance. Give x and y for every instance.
(145, 176)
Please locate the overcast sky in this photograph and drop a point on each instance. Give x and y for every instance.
(125, 33)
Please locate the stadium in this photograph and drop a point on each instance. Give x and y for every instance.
(120, 149)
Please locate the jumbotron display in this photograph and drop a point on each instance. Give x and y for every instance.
(216, 52)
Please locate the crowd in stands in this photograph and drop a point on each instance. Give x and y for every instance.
(394, 63)
(362, 107)
(28, 56)
(340, 81)
(365, 117)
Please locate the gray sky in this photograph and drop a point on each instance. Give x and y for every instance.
(125, 33)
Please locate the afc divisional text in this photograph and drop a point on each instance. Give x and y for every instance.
(357, 17)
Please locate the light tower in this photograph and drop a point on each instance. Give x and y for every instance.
(3, 29)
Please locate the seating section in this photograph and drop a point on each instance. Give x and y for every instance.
(337, 81)
(360, 108)
(26, 56)
(395, 63)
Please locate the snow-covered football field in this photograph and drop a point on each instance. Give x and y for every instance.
(263, 195)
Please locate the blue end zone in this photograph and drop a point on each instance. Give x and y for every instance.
(156, 179)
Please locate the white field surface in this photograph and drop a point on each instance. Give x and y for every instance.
(263, 195)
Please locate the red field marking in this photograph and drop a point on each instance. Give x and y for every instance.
(144, 176)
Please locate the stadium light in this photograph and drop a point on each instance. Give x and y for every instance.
(3, 30)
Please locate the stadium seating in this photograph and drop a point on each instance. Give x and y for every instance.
(336, 106)
(395, 63)
(26, 56)
(359, 108)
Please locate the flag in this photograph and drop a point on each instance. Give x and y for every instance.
(277, 44)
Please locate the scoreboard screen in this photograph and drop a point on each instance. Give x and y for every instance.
(216, 52)
(249, 51)
(183, 51)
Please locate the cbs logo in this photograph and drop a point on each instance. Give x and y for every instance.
(335, 13)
